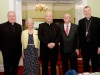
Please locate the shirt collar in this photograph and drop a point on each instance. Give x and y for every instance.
(88, 19)
(10, 23)
(68, 24)
(48, 24)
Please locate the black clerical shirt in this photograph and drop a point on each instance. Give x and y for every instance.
(88, 23)
(49, 27)
(13, 33)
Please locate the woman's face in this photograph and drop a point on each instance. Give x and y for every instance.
(30, 24)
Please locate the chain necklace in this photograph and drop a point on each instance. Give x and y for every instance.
(87, 27)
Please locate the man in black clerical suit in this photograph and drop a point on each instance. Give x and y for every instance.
(10, 44)
(49, 36)
(69, 44)
(89, 37)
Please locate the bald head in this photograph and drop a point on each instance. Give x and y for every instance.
(48, 13)
(67, 15)
(11, 16)
(49, 17)
(67, 18)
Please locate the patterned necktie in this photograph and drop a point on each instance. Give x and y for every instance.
(67, 30)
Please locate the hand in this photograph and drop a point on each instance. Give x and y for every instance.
(77, 51)
(98, 51)
(51, 45)
(38, 53)
(23, 55)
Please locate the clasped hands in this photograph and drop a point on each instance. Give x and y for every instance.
(51, 45)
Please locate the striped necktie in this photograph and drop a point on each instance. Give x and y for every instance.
(67, 30)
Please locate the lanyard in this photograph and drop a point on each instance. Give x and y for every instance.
(87, 26)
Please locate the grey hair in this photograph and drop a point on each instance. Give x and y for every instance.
(11, 12)
(30, 19)
(87, 7)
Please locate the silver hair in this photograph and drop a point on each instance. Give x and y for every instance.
(30, 19)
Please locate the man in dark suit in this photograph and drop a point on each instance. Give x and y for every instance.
(10, 44)
(49, 36)
(89, 37)
(69, 47)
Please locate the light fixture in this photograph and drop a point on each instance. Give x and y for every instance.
(79, 7)
(41, 7)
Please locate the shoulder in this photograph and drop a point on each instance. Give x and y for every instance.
(24, 31)
(18, 24)
(95, 18)
(42, 24)
(74, 25)
(55, 25)
(81, 19)
(3, 24)
(35, 31)
(61, 25)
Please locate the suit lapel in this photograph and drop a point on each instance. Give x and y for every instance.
(71, 29)
(63, 29)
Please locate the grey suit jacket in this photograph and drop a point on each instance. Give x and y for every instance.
(69, 43)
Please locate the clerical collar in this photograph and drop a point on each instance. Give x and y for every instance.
(88, 19)
(11, 23)
(48, 23)
(67, 24)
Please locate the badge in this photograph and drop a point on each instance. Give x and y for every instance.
(86, 33)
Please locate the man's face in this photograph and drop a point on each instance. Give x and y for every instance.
(48, 17)
(87, 12)
(67, 18)
(11, 17)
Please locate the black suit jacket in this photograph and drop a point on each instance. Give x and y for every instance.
(44, 37)
(69, 43)
(8, 44)
(94, 33)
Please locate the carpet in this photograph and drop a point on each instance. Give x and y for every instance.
(20, 70)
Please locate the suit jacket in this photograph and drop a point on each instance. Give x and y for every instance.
(8, 44)
(94, 32)
(69, 43)
(44, 36)
(24, 39)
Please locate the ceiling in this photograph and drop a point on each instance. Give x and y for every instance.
(51, 1)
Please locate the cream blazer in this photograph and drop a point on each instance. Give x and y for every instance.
(24, 39)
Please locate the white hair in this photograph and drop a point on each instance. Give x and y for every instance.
(11, 12)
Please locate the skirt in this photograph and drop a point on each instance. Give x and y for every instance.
(31, 66)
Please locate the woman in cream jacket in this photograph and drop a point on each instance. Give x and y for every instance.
(30, 46)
